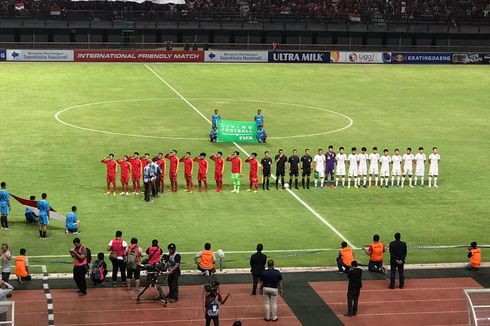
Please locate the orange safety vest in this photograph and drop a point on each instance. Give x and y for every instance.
(475, 259)
(20, 266)
(206, 259)
(347, 256)
(377, 249)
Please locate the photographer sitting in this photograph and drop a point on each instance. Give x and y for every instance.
(205, 260)
(212, 303)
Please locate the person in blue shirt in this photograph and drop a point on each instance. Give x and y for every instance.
(259, 119)
(4, 205)
(31, 216)
(43, 207)
(147, 175)
(213, 135)
(261, 135)
(215, 118)
(72, 222)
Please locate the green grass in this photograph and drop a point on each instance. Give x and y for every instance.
(391, 106)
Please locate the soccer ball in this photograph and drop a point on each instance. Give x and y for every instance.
(286, 185)
(221, 254)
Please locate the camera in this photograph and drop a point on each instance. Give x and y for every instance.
(212, 288)
(158, 268)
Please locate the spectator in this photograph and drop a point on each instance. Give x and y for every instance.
(270, 286)
(31, 216)
(205, 260)
(133, 258)
(169, 46)
(79, 255)
(212, 303)
(187, 46)
(354, 289)
(257, 267)
(174, 273)
(6, 259)
(474, 255)
(345, 258)
(72, 222)
(22, 267)
(5, 292)
(194, 46)
(398, 253)
(117, 247)
(154, 253)
(99, 270)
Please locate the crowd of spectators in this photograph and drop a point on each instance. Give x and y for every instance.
(256, 10)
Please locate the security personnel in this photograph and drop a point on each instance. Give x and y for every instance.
(398, 254)
(474, 254)
(353, 289)
(345, 258)
(375, 252)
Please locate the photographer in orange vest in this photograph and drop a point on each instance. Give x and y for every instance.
(345, 258)
(22, 267)
(375, 253)
(205, 260)
(474, 254)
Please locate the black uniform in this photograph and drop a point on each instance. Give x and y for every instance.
(266, 172)
(306, 170)
(398, 253)
(354, 290)
(280, 169)
(293, 170)
(257, 266)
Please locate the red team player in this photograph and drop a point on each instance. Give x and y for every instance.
(254, 171)
(161, 163)
(219, 167)
(136, 171)
(203, 171)
(125, 171)
(111, 173)
(188, 168)
(173, 169)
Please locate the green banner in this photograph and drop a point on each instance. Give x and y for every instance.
(236, 131)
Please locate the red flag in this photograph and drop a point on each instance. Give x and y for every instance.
(33, 204)
(19, 5)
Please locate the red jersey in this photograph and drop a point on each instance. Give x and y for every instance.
(219, 165)
(111, 167)
(161, 162)
(236, 164)
(125, 169)
(188, 165)
(254, 168)
(174, 163)
(136, 167)
(203, 165)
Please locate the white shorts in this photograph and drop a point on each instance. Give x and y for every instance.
(385, 172)
(373, 169)
(340, 170)
(408, 170)
(420, 172)
(433, 170)
(396, 171)
(363, 170)
(352, 171)
(321, 174)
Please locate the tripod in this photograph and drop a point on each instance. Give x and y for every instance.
(153, 281)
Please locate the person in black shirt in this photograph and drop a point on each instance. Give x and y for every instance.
(354, 289)
(306, 168)
(398, 253)
(271, 287)
(173, 273)
(281, 160)
(266, 163)
(293, 169)
(257, 266)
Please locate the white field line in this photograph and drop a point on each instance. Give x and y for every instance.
(308, 207)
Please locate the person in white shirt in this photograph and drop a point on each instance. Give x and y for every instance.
(434, 159)
(353, 168)
(384, 173)
(374, 166)
(396, 170)
(408, 166)
(363, 157)
(319, 166)
(341, 158)
(420, 159)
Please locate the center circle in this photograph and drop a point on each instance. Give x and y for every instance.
(173, 117)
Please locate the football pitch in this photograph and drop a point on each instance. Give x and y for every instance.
(59, 120)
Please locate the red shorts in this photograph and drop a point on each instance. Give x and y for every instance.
(172, 175)
(125, 179)
(111, 179)
(254, 181)
(136, 177)
(201, 176)
(218, 176)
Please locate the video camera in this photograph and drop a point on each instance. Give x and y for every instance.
(159, 268)
(212, 288)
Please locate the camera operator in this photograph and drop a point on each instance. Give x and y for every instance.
(173, 273)
(212, 303)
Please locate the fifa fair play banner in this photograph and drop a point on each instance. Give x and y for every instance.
(230, 131)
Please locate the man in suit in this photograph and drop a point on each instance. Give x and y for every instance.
(354, 289)
(257, 266)
(398, 253)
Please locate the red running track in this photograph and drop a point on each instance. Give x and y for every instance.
(116, 306)
(422, 302)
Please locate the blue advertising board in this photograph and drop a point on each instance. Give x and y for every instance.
(3, 55)
(407, 57)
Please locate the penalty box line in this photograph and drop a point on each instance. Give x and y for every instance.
(295, 196)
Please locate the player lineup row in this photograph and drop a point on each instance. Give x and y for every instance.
(361, 169)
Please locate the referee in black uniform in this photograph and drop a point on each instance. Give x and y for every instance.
(293, 169)
(306, 168)
(266, 163)
(281, 160)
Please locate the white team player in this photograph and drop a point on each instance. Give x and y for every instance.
(374, 166)
(396, 170)
(420, 159)
(341, 158)
(434, 159)
(363, 157)
(319, 166)
(353, 168)
(408, 159)
(384, 172)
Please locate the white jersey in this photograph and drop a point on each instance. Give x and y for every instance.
(396, 160)
(434, 164)
(353, 159)
(420, 164)
(363, 163)
(408, 162)
(341, 158)
(385, 165)
(320, 163)
(373, 163)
